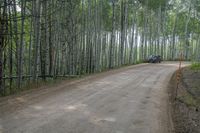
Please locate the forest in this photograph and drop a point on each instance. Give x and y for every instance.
(43, 40)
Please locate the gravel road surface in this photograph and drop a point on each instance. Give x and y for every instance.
(132, 99)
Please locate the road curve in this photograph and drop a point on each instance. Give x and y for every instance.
(133, 99)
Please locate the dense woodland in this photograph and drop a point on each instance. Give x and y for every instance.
(47, 39)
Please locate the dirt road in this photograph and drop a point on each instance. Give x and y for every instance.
(128, 100)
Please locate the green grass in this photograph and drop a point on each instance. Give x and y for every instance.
(195, 66)
(190, 100)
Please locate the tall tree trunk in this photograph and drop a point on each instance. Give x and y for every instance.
(173, 37)
(187, 43)
(37, 5)
(43, 44)
(2, 43)
(112, 36)
(122, 33)
(10, 50)
(132, 43)
(21, 46)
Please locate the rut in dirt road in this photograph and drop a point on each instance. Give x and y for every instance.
(129, 100)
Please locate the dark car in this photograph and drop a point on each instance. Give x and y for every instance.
(154, 59)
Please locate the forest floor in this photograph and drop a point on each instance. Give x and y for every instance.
(133, 99)
(186, 107)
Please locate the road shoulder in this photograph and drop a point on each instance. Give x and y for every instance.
(185, 107)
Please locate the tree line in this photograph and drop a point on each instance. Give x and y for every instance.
(47, 39)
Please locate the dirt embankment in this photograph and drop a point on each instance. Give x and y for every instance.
(186, 106)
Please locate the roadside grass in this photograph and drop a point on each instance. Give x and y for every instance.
(50, 82)
(189, 100)
(40, 84)
(192, 80)
(195, 66)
